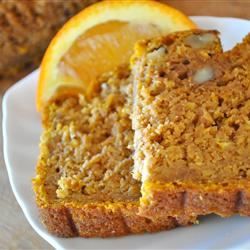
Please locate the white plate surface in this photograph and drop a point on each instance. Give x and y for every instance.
(21, 131)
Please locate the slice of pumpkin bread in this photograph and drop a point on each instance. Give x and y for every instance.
(149, 63)
(192, 125)
(84, 185)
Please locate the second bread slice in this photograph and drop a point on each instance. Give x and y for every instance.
(192, 123)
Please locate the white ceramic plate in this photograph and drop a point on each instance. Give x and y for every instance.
(21, 131)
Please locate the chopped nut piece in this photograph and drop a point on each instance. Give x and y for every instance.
(200, 41)
(156, 55)
(204, 74)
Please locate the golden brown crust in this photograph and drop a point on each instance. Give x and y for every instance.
(57, 221)
(222, 199)
(100, 221)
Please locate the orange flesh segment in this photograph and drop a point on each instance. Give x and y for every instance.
(106, 46)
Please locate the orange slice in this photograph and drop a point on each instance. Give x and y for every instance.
(99, 39)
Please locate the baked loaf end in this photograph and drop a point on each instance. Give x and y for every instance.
(192, 126)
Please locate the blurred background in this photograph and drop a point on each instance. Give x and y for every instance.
(26, 28)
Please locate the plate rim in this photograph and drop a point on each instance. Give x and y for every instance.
(53, 242)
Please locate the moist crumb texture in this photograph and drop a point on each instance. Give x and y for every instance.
(192, 124)
(84, 186)
(89, 146)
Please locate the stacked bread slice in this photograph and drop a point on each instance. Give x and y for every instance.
(192, 125)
